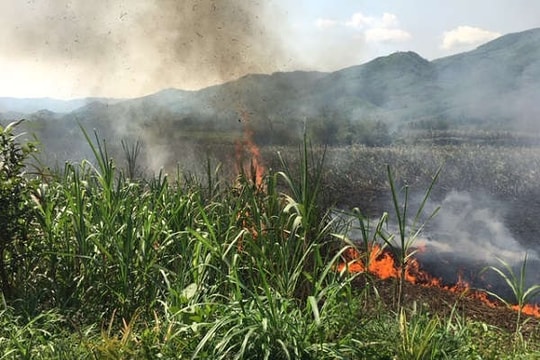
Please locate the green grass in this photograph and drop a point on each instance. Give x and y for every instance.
(118, 267)
(516, 282)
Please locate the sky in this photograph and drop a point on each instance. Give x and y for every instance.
(128, 48)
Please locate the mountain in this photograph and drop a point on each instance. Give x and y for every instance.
(496, 87)
(498, 82)
(394, 86)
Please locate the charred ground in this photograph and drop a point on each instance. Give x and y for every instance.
(443, 303)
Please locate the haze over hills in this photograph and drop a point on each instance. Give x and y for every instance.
(496, 87)
(30, 105)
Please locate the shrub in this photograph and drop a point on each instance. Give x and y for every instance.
(15, 201)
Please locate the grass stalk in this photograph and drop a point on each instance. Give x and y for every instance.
(517, 284)
(408, 232)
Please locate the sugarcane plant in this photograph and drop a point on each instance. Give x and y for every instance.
(516, 282)
(408, 232)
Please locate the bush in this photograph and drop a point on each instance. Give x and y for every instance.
(15, 202)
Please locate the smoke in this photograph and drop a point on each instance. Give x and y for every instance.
(120, 47)
(470, 233)
(225, 39)
(128, 48)
(472, 227)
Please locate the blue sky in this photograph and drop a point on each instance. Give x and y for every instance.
(128, 48)
(433, 28)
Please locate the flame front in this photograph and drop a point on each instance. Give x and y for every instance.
(380, 262)
(529, 309)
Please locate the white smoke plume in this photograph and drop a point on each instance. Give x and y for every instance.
(473, 227)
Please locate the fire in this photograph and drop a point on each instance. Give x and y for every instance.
(380, 262)
(248, 155)
(529, 309)
(249, 163)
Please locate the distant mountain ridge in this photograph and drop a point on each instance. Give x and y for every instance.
(495, 86)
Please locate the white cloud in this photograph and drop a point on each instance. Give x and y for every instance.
(378, 29)
(389, 20)
(466, 36)
(386, 35)
(325, 23)
(360, 21)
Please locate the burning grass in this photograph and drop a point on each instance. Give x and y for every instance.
(380, 262)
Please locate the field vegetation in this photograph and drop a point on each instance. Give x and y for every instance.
(100, 262)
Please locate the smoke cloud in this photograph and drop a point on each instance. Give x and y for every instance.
(144, 44)
(470, 233)
(473, 227)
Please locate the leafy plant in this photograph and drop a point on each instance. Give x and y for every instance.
(15, 201)
(311, 223)
(131, 154)
(418, 337)
(516, 282)
(408, 232)
(208, 269)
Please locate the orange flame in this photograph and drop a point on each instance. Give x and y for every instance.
(248, 155)
(529, 309)
(381, 263)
